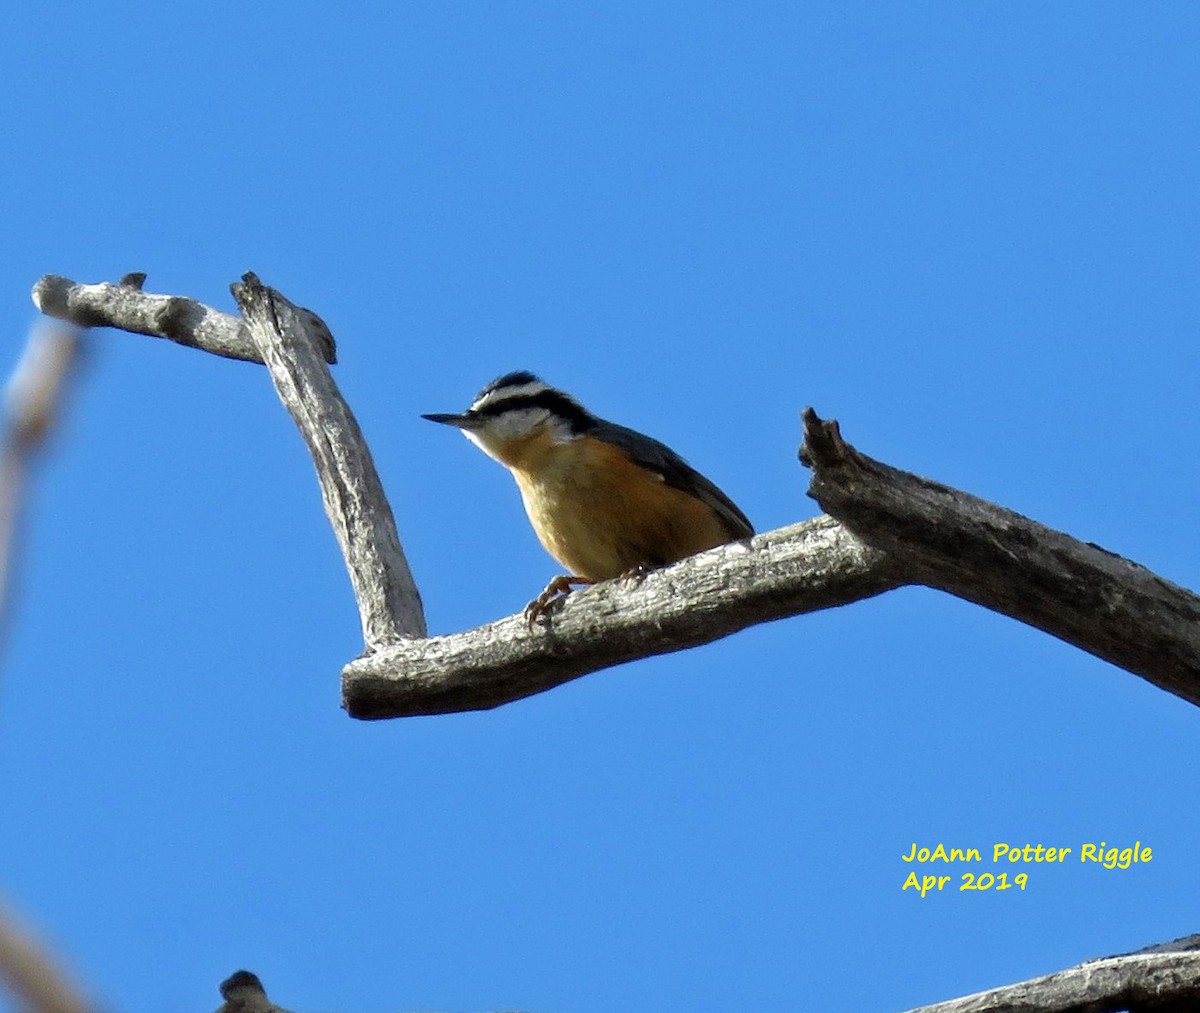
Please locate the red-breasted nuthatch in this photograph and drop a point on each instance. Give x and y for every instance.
(605, 501)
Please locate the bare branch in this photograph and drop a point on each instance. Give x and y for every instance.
(921, 532)
(802, 568)
(33, 402)
(1145, 981)
(35, 389)
(926, 533)
(355, 503)
(174, 317)
(32, 405)
(950, 540)
(31, 975)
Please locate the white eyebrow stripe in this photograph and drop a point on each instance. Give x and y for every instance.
(504, 393)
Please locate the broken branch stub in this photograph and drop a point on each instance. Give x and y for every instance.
(955, 542)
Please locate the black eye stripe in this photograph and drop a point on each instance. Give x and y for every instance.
(551, 400)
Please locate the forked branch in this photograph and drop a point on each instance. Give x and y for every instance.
(803, 568)
(956, 542)
(887, 528)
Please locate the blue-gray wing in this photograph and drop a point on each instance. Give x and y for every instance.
(676, 472)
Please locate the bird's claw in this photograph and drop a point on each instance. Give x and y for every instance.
(555, 591)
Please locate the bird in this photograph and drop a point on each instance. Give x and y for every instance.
(604, 500)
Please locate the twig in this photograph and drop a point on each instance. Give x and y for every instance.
(950, 540)
(388, 601)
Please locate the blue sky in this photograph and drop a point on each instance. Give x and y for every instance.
(967, 231)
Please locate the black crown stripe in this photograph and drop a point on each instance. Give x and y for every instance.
(518, 379)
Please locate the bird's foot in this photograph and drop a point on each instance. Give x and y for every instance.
(556, 590)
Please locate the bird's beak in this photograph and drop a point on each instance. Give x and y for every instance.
(459, 421)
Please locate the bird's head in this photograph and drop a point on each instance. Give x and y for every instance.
(514, 409)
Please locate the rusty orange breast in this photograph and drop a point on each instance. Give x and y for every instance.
(600, 515)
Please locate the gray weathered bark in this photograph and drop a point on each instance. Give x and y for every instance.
(1160, 979)
(956, 542)
(898, 529)
(892, 528)
(803, 568)
(174, 317)
(388, 602)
